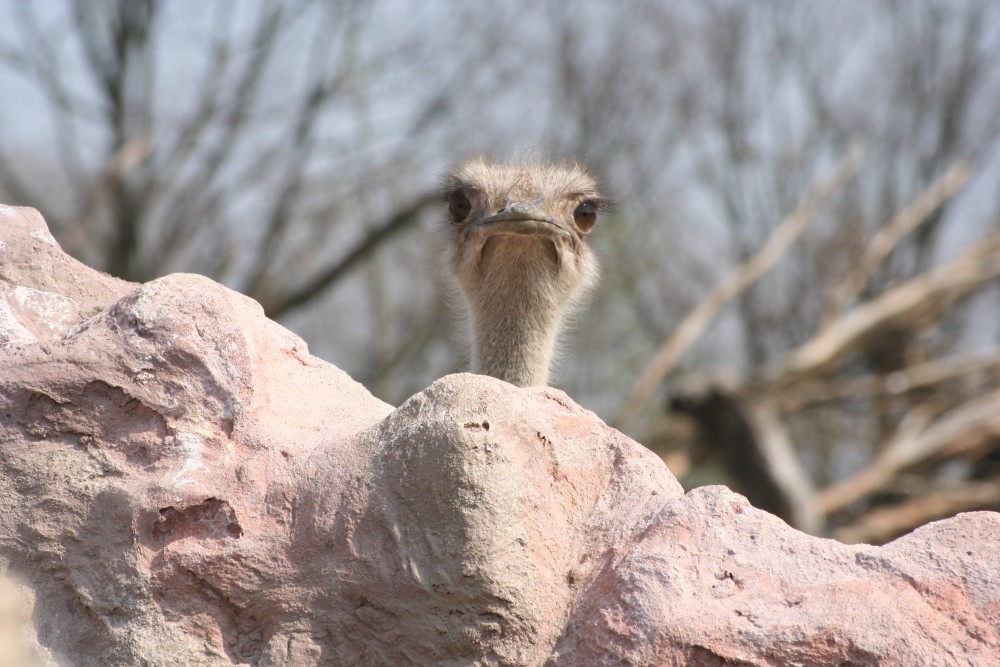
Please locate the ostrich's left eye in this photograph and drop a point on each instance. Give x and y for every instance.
(585, 216)
(459, 206)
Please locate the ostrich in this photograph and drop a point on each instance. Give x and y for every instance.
(520, 257)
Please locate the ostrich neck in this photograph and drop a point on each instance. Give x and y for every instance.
(515, 334)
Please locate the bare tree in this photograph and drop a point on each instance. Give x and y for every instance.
(244, 141)
(855, 399)
(840, 347)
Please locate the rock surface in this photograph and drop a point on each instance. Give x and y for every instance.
(183, 484)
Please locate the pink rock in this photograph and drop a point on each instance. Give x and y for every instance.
(185, 485)
(713, 581)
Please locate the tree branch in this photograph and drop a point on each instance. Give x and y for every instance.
(918, 376)
(281, 304)
(882, 524)
(892, 233)
(702, 315)
(917, 438)
(924, 296)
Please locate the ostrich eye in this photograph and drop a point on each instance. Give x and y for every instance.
(585, 216)
(459, 206)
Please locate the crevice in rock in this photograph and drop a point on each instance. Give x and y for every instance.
(212, 519)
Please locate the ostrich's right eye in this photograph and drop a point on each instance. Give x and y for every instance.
(585, 216)
(459, 206)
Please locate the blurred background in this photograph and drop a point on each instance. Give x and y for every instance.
(800, 272)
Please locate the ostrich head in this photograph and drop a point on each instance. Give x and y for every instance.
(519, 253)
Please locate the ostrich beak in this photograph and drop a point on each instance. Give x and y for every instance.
(522, 218)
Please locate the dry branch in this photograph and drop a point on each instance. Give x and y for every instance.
(882, 524)
(917, 438)
(927, 295)
(276, 305)
(701, 316)
(918, 376)
(892, 233)
(131, 154)
(783, 464)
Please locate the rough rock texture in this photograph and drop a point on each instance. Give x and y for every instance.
(183, 484)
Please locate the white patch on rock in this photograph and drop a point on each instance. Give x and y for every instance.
(12, 332)
(190, 447)
(54, 311)
(44, 235)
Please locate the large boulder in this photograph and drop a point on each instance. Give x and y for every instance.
(183, 484)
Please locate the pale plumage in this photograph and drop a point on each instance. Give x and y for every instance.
(520, 255)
